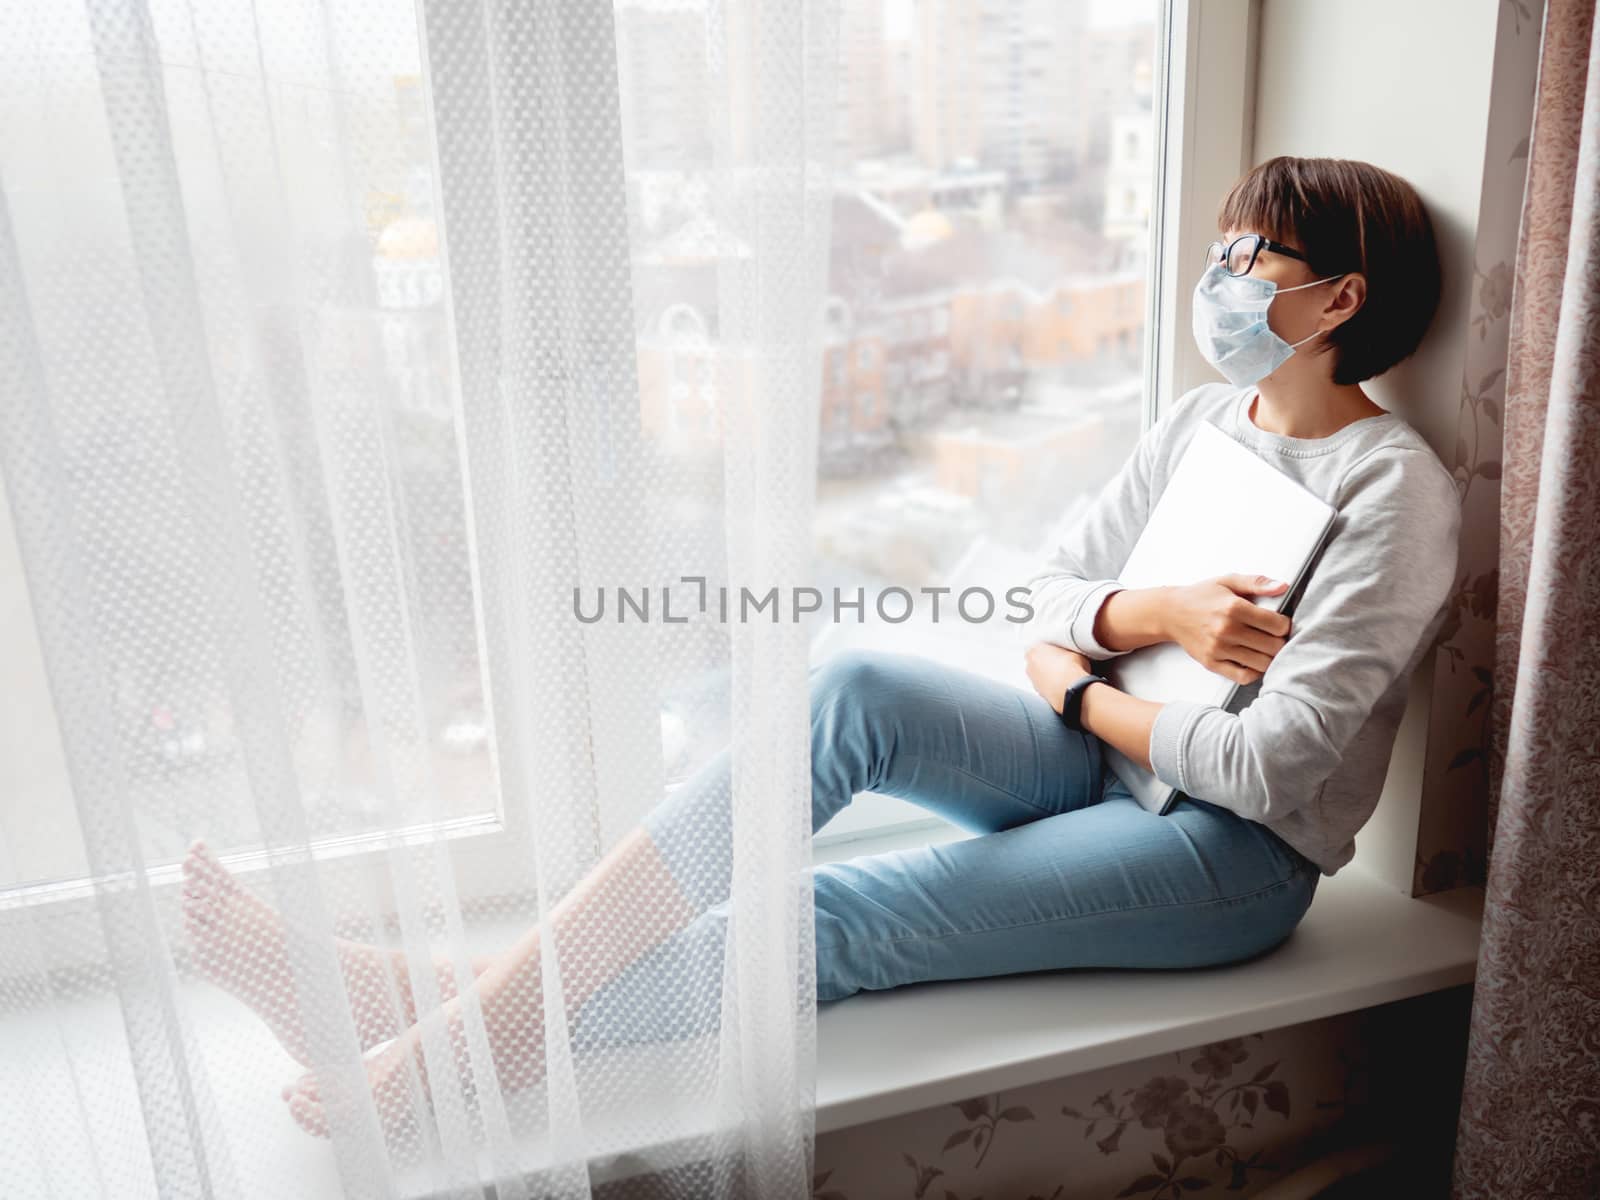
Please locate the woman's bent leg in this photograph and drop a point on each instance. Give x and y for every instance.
(1112, 885)
(982, 754)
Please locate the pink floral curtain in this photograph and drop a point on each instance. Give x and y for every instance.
(1530, 1117)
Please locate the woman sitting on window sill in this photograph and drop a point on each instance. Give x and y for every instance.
(1069, 869)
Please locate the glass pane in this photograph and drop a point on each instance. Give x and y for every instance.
(988, 284)
(324, 398)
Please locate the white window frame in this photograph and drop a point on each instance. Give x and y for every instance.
(1204, 130)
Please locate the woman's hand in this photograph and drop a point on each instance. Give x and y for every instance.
(1051, 668)
(1224, 631)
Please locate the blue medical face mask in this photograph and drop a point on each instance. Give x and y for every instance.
(1230, 324)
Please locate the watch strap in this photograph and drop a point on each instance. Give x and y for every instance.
(1072, 700)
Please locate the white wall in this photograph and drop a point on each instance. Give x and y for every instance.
(1403, 84)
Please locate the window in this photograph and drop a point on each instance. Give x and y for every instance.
(168, 703)
(959, 155)
(169, 707)
(1107, 201)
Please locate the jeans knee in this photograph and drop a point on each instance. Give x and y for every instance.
(850, 694)
(851, 951)
(866, 681)
(846, 672)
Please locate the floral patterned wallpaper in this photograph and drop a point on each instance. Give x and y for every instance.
(1453, 829)
(1227, 1117)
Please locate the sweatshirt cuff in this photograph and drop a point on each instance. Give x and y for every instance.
(1083, 622)
(1169, 740)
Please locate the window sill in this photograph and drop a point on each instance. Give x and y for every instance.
(882, 1054)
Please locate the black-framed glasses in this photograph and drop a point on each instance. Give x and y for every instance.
(1238, 257)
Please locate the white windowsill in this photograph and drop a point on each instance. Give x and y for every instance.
(882, 1054)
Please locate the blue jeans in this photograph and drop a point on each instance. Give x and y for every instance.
(1069, 871)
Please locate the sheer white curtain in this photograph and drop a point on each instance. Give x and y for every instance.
(353, 354)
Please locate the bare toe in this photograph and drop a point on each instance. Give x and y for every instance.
(201, 867)
(305, 1084)
(238, 944)
(308, 1113)
(199, 903)
(305, 1103)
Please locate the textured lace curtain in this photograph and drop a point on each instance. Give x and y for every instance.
(389, 394)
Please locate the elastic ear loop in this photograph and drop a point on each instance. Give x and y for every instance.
(1296, 288)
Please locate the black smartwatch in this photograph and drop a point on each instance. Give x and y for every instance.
(1072, 700)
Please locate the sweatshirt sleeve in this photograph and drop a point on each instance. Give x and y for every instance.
(1382, 577)
(1069, 587)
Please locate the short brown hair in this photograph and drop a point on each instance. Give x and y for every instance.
(1350, 216)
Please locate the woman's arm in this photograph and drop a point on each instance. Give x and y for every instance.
(1381, 580)
(1113, 716)
(1070, 592)
(1386, 571)
(1132, 617)
(1078, 601)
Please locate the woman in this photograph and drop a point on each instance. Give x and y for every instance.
(1325, 274)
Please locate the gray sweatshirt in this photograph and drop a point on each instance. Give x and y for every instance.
(1303, 750)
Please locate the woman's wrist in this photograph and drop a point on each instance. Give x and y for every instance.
(1133, 617)
(1161, 613)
